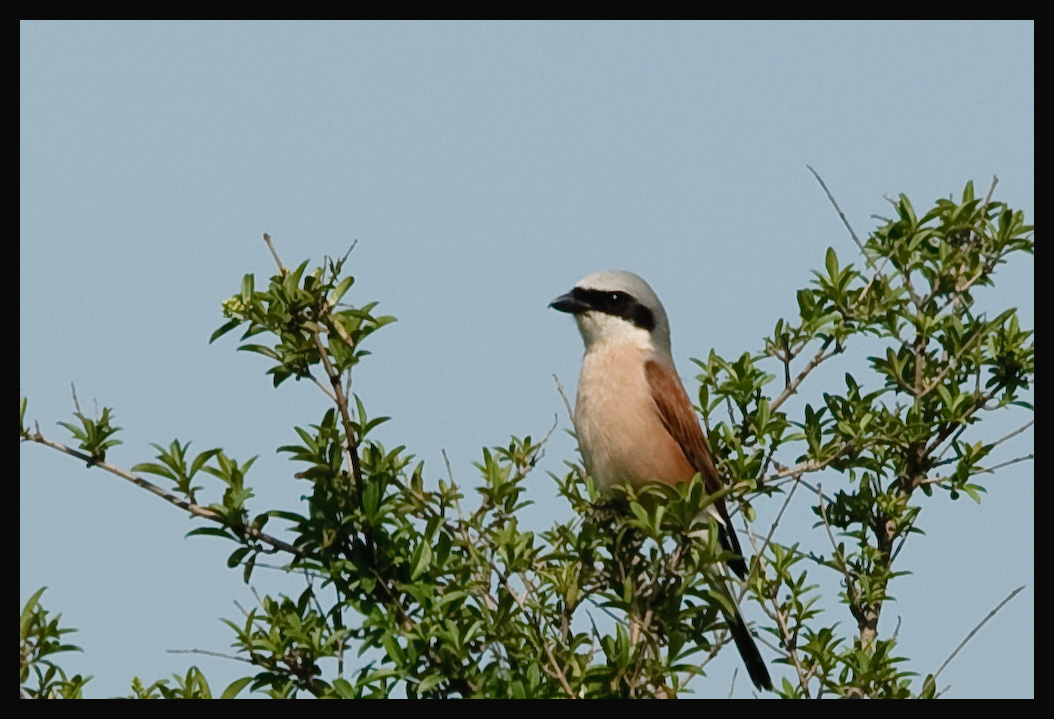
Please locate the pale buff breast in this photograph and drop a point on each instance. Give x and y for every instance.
(620, 432)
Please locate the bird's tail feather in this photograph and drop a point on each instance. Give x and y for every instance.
(748, 648)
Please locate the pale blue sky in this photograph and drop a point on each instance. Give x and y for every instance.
(483, 169)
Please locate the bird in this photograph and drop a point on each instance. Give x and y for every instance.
(634, 421)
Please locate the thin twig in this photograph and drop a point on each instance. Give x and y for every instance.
(988, 198)
(1016, 432)
(208, 653)
(813, 364)
(849, 584)
(775, 523)
(347, 254)
(953, 362)
(325, 390)
(980, 470)
(803, 468)
(76, 403)
(567, 403)
(187, 506)
(274, 253)
(449, 469)
(875, 276)
(978, 404)
(1015, 460)
(559, 673)
(896, 630)
(951, 444)
(780, 618)
(840, 213)
(352, 446)
(975, 630)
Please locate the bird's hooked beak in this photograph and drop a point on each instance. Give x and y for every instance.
(569, 303)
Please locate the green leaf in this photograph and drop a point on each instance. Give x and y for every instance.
(152, 468)
(211, 532)
(260, 349)
(224, 329)
(422, 560)
(26, 618)
(832, 263)
(235, 687)
(237, 556)
(202, 458)
(338, 292)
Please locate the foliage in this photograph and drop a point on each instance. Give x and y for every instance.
(451, 597)
(39, 638)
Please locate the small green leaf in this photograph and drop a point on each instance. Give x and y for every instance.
(832, 262)
(211, 532)
(235, 687)
(224, 329)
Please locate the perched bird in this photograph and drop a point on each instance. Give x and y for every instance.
(634, 421)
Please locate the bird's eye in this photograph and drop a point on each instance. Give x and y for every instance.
(615, 301)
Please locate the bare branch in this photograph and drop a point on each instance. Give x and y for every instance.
(208, 653)
(76, 403)
(274, 253)
(991, 190)
(819, 358)
(1025, 458)
(781, 620)
(978, 404)
(849, 583)
(953, 362)
(195, 509)
(841, 214)
(975, 630)
(760, 551)
(352, 447)
(567, 403)
(557, 672)
(325, 390)
(981, 470)
(802, 468)
(1016, 432)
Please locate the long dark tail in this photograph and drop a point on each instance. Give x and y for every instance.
(759, 673)
(748, 649)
